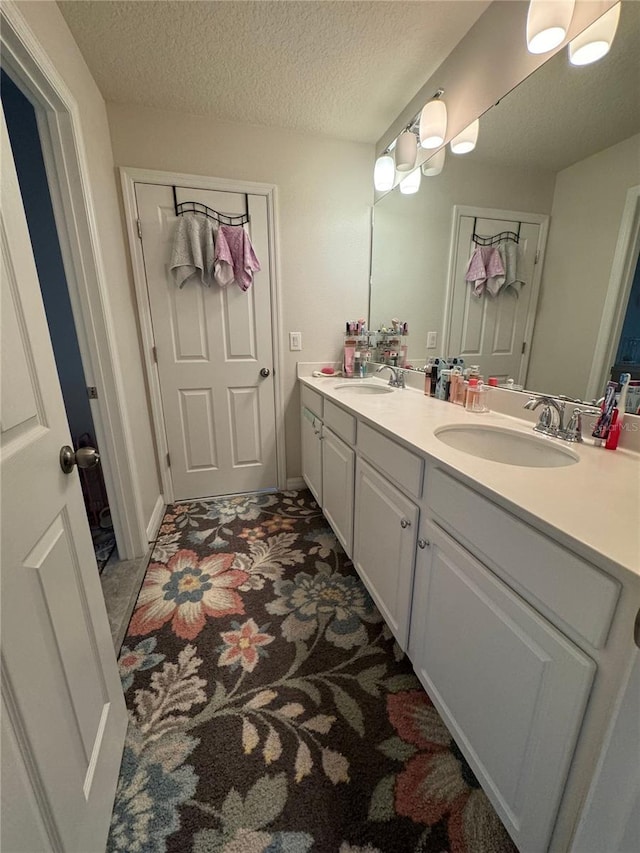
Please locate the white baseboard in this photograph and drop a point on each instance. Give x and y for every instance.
(295, 483)
(156, 519)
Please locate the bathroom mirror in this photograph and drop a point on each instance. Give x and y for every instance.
(555, 165)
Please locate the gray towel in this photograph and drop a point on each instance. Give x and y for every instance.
(510, 254)
(193, 248)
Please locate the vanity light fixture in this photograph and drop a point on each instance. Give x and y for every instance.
(433, 122)
(548, 23)
(384, 172)
(411, 184)
(434, 165)
(596, 40)
(406, 151)
(465, 141)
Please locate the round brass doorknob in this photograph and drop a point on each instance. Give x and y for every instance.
(83, 457)
(265, 372)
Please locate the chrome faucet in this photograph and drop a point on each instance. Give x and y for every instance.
(551, 419)
(396, 379)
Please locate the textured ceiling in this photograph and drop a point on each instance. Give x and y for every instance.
(562, 113)
(344, 69)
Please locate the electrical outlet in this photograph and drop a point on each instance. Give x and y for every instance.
(432, 340)
(295, 341)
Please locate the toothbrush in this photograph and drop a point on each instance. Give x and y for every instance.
(618, 413)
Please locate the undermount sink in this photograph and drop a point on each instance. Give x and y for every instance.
(363, 388)
(500, 444)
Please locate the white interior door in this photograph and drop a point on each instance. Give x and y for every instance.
(64, 717)
(492, 331)
(212, 343)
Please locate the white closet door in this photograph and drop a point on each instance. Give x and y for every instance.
(491, 331)
(64, 717)
(212, 343)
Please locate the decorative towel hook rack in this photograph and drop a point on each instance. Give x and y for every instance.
(198, 207)
(496, 238)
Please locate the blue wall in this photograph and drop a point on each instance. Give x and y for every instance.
(27, 153)
(631, 326)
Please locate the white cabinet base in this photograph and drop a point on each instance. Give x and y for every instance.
(510, 687)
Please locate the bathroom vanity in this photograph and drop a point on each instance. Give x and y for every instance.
(514, 589)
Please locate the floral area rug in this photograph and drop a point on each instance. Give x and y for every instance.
(271, 710)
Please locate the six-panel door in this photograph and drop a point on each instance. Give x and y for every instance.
(64, 718)
(212, 343)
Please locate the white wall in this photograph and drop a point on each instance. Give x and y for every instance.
(412, 238)
(585, 220)
(324, 196)
(50, 29)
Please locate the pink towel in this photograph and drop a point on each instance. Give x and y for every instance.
(235, 258)
(485, 263)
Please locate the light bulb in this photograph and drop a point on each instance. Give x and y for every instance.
(384, 173)
(433, 124)
(547, 24)
(434, 165)
(411, 184)
(596, 40)
(466, 141)
(406, 151)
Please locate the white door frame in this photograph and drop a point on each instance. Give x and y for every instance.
(540, 219)
(68, 174)
(129, 177)
(615, 304)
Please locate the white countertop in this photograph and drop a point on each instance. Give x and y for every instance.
(592, 506)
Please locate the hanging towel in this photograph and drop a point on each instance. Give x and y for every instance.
(235, 259)
(510, 255)
(485, 263)
(193, 249)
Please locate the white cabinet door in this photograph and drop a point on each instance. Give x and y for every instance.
(384, 545)
(510, 687)
(63, 713)
(312, 453)
(338, 461)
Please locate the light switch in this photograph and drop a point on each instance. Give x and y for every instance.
(432, 340)
(295, 341)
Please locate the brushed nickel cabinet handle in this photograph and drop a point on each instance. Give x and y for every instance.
(404, 523)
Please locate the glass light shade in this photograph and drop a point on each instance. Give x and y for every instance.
(595, 41)
(466, 141)
(547, 24)
(434, 165)
(433, 124)
(406, 151)
(411, 184)
(384, 173)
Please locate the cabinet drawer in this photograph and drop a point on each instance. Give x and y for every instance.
(404, 467)
(341, 422)
(312, 400)
(570, 591)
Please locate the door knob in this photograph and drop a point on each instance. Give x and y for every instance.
(265, 372)
(84, 457)
(405, 523)
(423, 543)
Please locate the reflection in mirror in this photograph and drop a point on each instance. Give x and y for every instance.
(555, 164)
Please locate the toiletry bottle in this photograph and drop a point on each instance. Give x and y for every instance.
(444, 384)
(476, 396)
(349, 358)
(427, 378)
